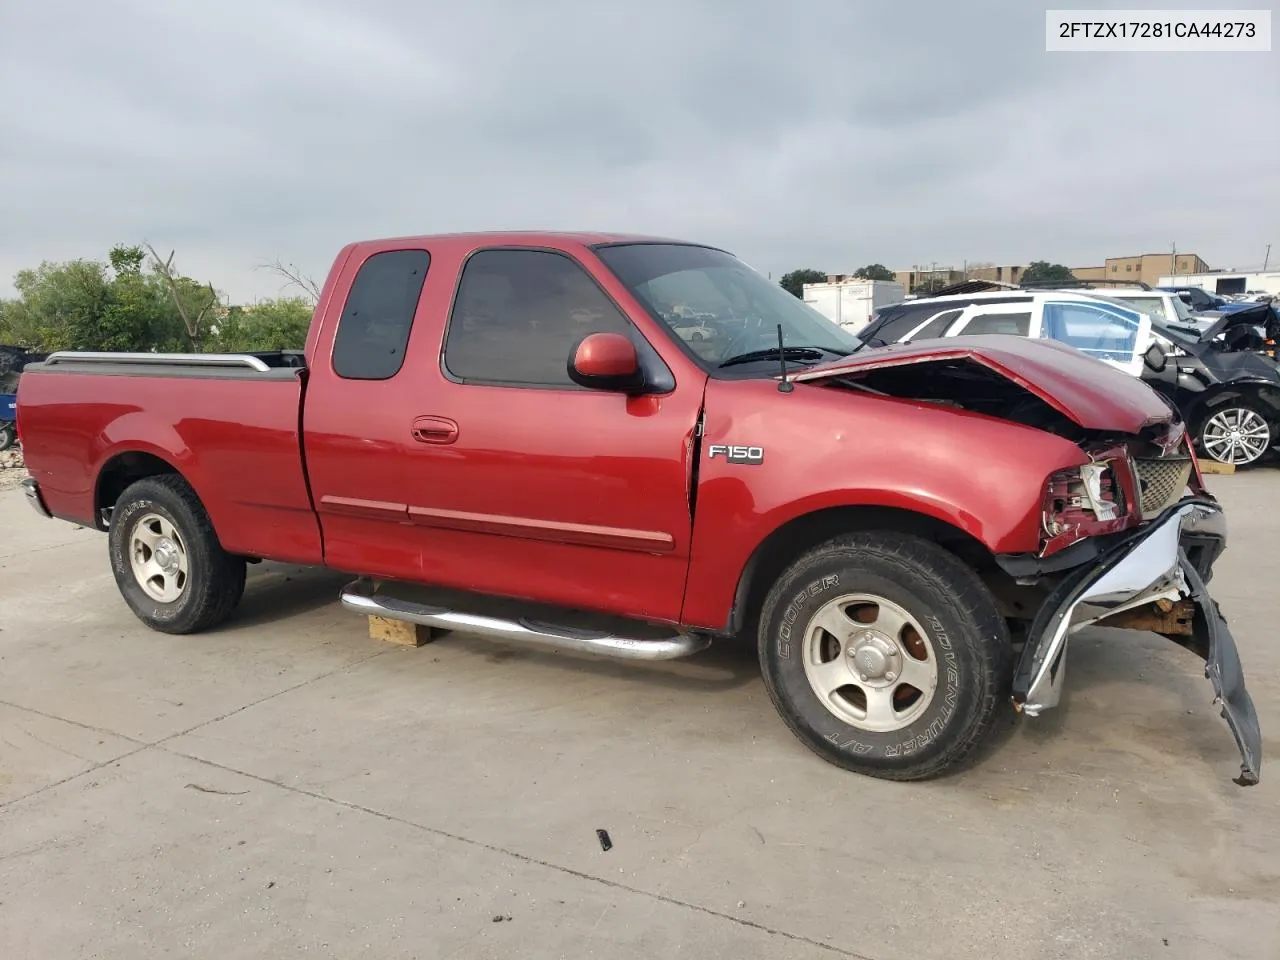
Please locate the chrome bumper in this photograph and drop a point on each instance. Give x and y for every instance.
(1171, 559)
(32, 491)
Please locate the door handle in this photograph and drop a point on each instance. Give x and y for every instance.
(435, 430)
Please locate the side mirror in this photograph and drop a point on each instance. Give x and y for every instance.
(607, 361)
(1155, 357)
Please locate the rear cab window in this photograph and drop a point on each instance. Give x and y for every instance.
(373, 330)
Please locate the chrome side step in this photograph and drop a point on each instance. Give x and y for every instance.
(359, 598)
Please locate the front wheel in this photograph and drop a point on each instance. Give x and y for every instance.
(1237, 433)
(885, 655)
(8, 436)
(168, 563)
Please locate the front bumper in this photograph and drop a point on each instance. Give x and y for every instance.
(1169, 559)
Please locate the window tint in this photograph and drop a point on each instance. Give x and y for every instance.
(1018, 324)
(901, 323)
(937, 326)
(519, 314)
(374, 328)
(1108, 333)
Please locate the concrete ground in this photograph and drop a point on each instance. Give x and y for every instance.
(287, 785)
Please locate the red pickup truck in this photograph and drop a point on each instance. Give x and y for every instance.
(508, 434)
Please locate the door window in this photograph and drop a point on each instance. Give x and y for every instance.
(1104, 332)
(518, 315)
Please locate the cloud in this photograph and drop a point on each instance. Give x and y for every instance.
(817, 132)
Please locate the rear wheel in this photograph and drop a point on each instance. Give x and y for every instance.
(8, 436)
(885, 655)
(1237, 432)
(168, 563)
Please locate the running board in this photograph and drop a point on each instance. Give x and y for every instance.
(359, 598)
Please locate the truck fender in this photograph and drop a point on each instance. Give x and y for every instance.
(124, 457)
(810, 523)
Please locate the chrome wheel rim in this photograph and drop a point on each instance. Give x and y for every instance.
(1236, 435)
(158, 558)
(870, 663)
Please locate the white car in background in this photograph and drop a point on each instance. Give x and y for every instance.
(1101, 326)
(1157, 304)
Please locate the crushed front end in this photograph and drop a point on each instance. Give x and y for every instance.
(1129, 541)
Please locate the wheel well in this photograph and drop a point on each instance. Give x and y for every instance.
(119, 473)
(796, 536)
(1258, 394)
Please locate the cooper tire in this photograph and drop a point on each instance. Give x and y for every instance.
(956, 624)
(159, 525)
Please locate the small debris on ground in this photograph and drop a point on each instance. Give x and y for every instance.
(605, 843)
(224, 793)
(499, 917)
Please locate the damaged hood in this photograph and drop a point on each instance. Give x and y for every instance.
(1093, 394)
(1254, 315)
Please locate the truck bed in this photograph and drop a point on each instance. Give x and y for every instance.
(228, 422)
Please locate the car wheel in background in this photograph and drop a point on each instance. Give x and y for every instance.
(1237, 432)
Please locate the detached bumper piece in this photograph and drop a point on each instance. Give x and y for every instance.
(1166, 562)
(34, 497)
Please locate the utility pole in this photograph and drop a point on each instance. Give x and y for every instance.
(1173, 264)
(1267, 259)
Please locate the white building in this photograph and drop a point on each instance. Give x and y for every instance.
(1225, 282)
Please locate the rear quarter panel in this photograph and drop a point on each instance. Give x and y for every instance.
(235, 440)
(827, 447)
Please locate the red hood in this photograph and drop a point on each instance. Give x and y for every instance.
(1093, 394)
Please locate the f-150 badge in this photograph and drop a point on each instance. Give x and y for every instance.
(737, 454)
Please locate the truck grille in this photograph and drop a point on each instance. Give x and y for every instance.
(1161, 483)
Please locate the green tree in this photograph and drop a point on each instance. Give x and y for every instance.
(279, 324)
(59, 305)
(794, 281)
(132, 319)
(875, 271)
(1042, 271)
(116, 305)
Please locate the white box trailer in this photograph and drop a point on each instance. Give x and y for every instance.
(850, 303)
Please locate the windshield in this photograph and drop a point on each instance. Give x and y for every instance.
(1159, 306)
(719, 306)
(1181, 309)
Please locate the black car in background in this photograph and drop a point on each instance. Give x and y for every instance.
(1223, 377)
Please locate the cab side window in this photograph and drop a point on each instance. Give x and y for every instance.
(518, 314)
(373, 330)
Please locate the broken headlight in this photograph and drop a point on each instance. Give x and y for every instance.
(1083, 502)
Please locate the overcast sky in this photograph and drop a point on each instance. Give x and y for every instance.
(824, 133)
